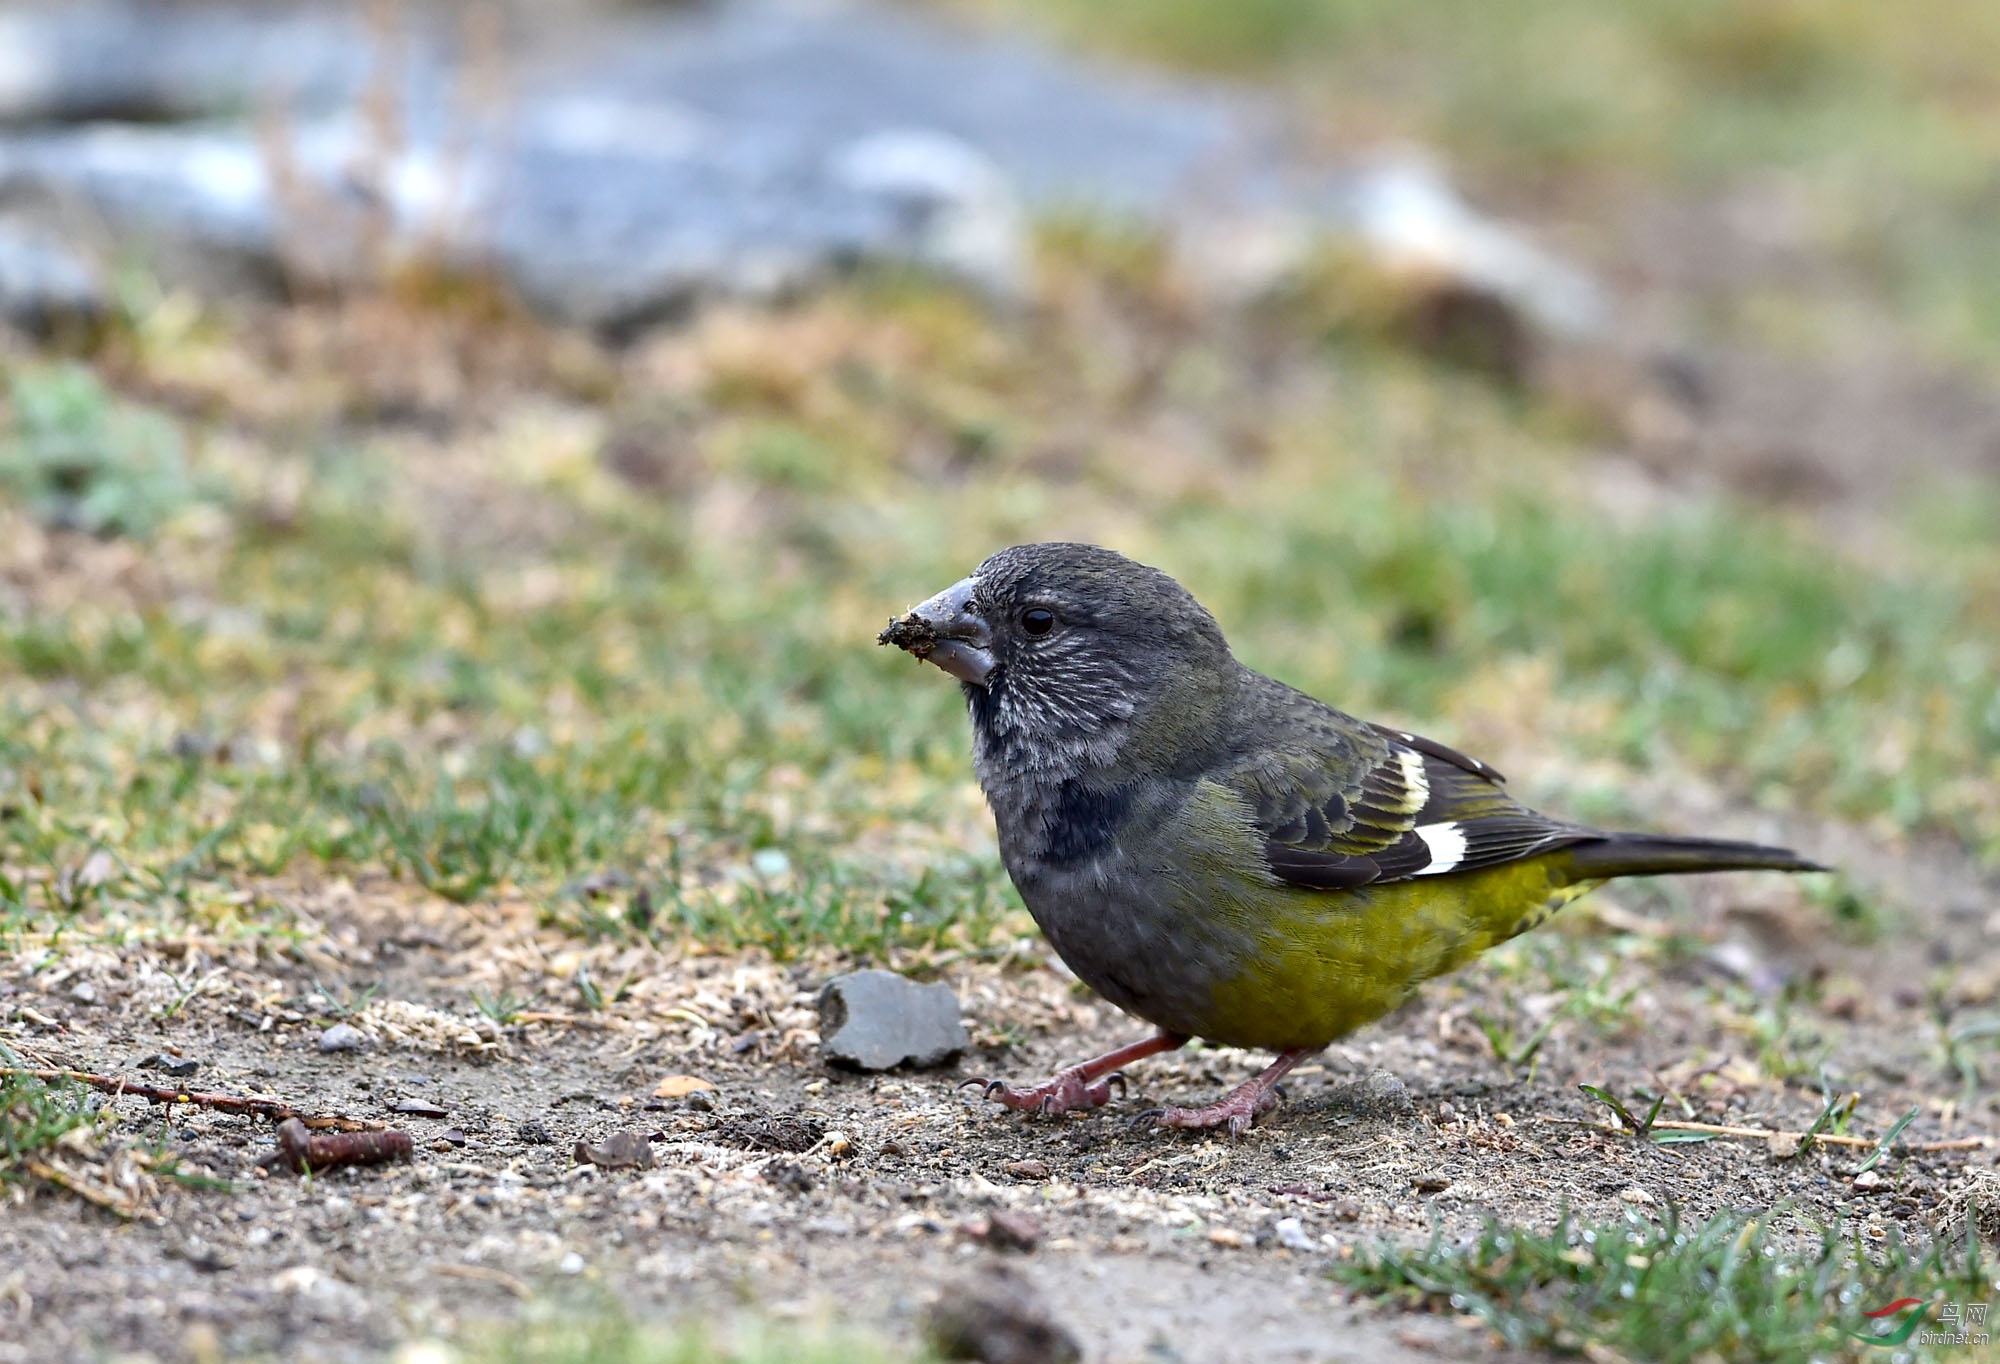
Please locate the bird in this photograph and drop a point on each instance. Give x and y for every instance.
(1219, 854)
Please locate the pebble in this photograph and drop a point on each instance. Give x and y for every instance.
(176, 1067)
(680, 1086)
(342, 1037)
(1291, 1233)
(1004, 1230)
(46, 288)
(1027, 1169)
(83, 992)
(417, 1108)
(571, 1263)
(877, 1020)
(624, 1150)
(1379, 1094)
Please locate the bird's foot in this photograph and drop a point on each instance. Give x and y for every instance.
(1237, 1110)
(1067, 1091)
(1079, 1087)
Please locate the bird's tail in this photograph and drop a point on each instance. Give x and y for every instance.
(1612, 855)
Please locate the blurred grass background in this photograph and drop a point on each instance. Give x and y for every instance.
(1877, 126)
(404, 585)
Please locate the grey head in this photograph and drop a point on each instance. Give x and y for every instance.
(1074, 659)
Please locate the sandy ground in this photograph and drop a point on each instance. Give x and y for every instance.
(793, 1190)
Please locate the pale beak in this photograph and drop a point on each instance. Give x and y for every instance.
(949, 631)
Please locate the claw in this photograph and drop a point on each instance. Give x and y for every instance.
(1116, 1077)
(987, 1088)
(1149, 1118)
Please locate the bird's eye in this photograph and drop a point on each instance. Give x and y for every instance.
(1037, 621)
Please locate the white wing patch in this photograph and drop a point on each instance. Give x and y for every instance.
(1447, 845)
(1416, 785)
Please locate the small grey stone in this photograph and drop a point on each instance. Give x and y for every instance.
(1378, 1095)
(179, 1067)
(1291, 1234)
(622, 1150)
(342, 1037)
(44, 286)
(877, 1020)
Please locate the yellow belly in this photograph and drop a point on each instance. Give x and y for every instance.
(1330, 962)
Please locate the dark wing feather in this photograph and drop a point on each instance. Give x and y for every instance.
(1350, 804)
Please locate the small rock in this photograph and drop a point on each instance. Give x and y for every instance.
(624, 1150)
(571, 1263)
(417, 1108)
(1430, 1183)
(1868, 1181)
(1379, 1094)
(1637, 1196)
(342, 1037)
(453, 1136)
(1027, 1169)
(1229, 1237)
(680, 1086)
(1291, 1234)
(83, 992)
(1783, 1145)
(997, 1318)
(176, 1067)
(44, 287)
(1003, 1230)
(827, 1226)
(789, 1176)
(533, 1133)
(877, 1020)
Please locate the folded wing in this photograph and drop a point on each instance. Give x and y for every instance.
(1350, 804)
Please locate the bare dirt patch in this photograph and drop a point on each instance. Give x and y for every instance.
(792, 1190)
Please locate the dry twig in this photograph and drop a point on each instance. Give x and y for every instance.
(277, 1110)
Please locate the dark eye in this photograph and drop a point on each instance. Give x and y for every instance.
(1037, 621)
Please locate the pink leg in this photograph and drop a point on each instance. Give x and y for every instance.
(1084, 1086)
(1242, 1105)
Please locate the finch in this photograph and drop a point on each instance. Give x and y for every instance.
(1219, 854)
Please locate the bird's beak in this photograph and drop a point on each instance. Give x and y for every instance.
(949, 631)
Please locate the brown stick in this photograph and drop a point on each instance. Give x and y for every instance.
(1831, 1138)
(299, 1150)
(277, 1110)
(1766, 1133)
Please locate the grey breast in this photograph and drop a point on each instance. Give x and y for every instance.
(1096, 874)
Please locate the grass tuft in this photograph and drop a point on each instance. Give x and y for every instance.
(1727, 1288)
